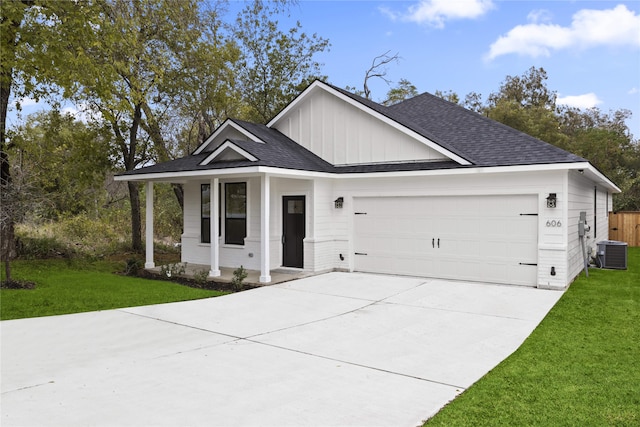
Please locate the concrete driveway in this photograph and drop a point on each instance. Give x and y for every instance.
(344, 349)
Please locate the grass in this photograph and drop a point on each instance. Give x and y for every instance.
(74, 286)
(580, 367)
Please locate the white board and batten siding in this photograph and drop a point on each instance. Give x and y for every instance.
(340, 134)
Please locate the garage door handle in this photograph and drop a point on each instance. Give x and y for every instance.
(433, 243)
(438, 243)
(360, 253)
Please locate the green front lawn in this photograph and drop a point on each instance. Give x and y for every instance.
(580, 367)
(64, 287)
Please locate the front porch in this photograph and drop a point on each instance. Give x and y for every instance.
(279, 275)
(268, 227)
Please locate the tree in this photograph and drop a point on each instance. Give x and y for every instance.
(64, 160)
(33, 46)
(274, 66)
(378, 69)
(605, 140)
(525, 103)
(449, 95)
(209, 92)
(528, 90)
(473, 101)
(404, 90)
(129, 70)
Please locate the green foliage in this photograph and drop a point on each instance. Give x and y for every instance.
(275, 66)
(579, 367)
(239, 274)
(64, 287)
(167, 214)
(201, 276)
(173, 270)
(404, 90)
(133, 266)
(79, 235)
(41, 247)
(449, 95)
(65, 162)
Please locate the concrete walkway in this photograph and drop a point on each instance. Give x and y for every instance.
(339, 349)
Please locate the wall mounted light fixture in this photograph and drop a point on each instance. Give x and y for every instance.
(551, 200)
(338, 202)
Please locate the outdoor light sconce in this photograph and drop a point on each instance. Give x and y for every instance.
(551, 200)
(338, 202)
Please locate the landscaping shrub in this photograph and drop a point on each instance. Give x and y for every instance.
(133, 267)
(40, 247)
(239, 274)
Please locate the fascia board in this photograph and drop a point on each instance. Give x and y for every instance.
(595, 175)
(374, 113)
(181, 175)
(230, 145)
(293, 173)
(220, 129)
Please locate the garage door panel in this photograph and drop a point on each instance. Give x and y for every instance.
(482, 238)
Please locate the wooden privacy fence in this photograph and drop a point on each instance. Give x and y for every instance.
(625, 227)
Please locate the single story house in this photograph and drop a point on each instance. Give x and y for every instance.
(424, 187)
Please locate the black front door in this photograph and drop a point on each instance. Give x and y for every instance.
(293, 233)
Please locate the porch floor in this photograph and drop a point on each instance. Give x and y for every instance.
(278, 275)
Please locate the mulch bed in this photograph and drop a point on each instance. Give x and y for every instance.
(185, 281)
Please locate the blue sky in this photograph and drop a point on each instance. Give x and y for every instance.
(590, 49)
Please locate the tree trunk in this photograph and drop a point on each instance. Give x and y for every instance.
(7, 236)
(178, 190)
(136, 216)
(152, 127)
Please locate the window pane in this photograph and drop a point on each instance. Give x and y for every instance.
(295, 206)
(236, 200)
(235, 213)
(205, 216)
(235, 231)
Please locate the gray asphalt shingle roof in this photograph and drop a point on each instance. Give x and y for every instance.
(478, 139)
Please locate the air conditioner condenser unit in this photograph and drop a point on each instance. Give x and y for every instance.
(612, 254)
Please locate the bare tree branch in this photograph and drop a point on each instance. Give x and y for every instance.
(378, 69)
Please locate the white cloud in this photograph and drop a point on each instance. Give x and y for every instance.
(611, 27)
(633, 91)
(539, 15)
(437, 12)
(588, 100)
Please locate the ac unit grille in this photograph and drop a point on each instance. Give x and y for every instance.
(613, 254)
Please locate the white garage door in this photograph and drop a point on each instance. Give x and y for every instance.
(480, 238)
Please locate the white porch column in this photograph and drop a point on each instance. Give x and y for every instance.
(149, 227)
(265, 276)
(214, 194)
